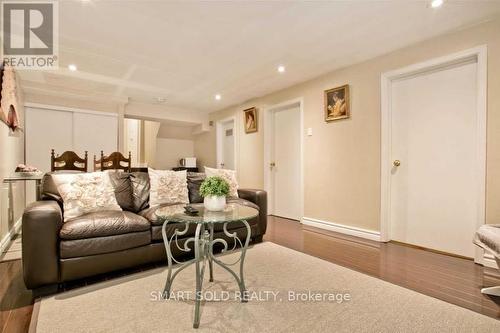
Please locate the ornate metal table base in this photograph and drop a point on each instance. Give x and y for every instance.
(203, 248)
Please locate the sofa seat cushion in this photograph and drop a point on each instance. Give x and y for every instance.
(100, 245)
(102, 224)
(150, 213)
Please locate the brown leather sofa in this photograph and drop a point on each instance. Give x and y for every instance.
(55, 252)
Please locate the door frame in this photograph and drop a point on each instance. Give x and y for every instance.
(478, 55)
(268, 143)
(219, 133)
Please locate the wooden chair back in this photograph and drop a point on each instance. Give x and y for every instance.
(68, 160)
(115, 161)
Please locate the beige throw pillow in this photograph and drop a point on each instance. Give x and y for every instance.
(167, 187)
(228, 175)
(84, 193)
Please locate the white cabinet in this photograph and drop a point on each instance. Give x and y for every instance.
(63, 130)
(93, 133)
(46, 130)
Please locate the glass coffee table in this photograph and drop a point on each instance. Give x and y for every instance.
(203, 243)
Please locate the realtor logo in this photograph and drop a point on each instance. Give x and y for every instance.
(30, 34)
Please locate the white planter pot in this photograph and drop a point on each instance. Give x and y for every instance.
(214, 204)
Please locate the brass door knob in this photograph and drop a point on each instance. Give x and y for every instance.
(272, 164)
(396, 163)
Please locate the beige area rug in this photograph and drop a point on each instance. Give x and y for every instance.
(13, 251)
(128, 305)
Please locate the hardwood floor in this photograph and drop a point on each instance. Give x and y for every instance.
(16, 302)
(454, 280)
(451, 279)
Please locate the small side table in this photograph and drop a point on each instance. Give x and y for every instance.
(37, 179)
(203, 243)
(18, 178)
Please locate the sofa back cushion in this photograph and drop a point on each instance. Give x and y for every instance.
(49, 188)
(136, 198)
(121, 182)
(194, 180)
(140, 190)
(123, 189)
(167, 187)
(84, 193)
(228, 175)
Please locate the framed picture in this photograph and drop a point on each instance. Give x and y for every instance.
(337, 103)
(251, 120)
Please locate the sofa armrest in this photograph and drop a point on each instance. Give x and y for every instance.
(41, 223)
(258, 197)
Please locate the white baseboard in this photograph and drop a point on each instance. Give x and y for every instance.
(488, 259)
(344, 229)
(4, 243)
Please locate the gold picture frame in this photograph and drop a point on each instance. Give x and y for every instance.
(337, 103)
(251, 120)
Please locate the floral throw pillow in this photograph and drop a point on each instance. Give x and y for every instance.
(84, 193)
(168, 187)
(228, 175)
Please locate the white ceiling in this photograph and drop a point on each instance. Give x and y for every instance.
(187, 52)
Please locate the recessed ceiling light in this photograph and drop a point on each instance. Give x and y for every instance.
(218, 97)
(437, 3)
(72, 68)
(281, 68)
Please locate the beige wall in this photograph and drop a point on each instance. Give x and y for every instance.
(11, 154)
(342, 159)
(173, 143)
(170, 151)
(172, 131)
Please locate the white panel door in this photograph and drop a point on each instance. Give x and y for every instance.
(228, 145)
(93, 133)
(46, 130)
(434, 190)
(132, 135)
(286, 158)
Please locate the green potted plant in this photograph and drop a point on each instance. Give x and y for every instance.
(214, 191)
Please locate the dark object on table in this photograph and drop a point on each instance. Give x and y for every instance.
(189, 210)
(113, 162)
(184, 168)
(68, 160)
